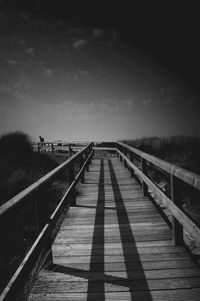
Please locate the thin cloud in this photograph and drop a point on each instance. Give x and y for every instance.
(22, 42)
(12, 62)
(97, 32)
(4, 89)
(24, 16)
(146, 101)
(75, 77)
(115, 33)
(79, 43)
(74, 30)
(84, 72)
(49, 72)
(30, 51)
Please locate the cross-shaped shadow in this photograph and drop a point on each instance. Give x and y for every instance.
(96, 275)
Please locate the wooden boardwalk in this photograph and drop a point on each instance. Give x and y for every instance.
(115, 246)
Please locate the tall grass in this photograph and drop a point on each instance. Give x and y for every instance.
(20, 166)
(180, 150)
(184, 152)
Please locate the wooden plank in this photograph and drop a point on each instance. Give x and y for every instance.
(164, 295)
(131, 256)
(114, 285)
(120, 266)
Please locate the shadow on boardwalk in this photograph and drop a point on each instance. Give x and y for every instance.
(96, 282)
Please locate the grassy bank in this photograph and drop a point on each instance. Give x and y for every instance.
(19, 168)
(180, 150)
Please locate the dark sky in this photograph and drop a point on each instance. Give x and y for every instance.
(99, 69)
(169, 30)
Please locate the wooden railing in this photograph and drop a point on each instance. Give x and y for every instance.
(46, 221)
(177, 176)
(56, 148)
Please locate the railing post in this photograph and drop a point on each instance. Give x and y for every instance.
(125, 153)
(144, 170)
(177, 228)
(70, 150)
(91, 149)
(87, 154)
(131, 159)
(52, 148)
(71, 179)
(120, 149)
(81, 164)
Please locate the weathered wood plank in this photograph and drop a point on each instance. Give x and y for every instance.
(164, 295)
(113, 285)
(131, 256)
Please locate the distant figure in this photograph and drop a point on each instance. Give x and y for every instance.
(41, 140)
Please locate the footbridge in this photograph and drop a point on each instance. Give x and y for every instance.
(114, 234)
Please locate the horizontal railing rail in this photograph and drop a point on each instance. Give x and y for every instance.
(56, 148)
(176, 174)
(41, 247)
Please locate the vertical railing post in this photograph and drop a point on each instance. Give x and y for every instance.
(131, 159)
(120, 149)
(90, 149)
(52, 148)
(87, 153)
(125, 153)
(177, 228)
(71, 180)
(144, 170)
(81, 164)
(70, 150)
(117, 147)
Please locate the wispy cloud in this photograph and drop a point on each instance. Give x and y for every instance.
(74, 30)
(97, 32)
(22, 42)
(24, 16)
(79, 43)
(12, 62)
(115, 33)
(30, 51)
(83, 72)
(75, 77)
(146, 101)
(48, 72)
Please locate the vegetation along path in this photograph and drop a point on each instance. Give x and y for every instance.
(114, 245)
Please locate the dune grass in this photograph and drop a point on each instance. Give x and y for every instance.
(20, 166)
(180, 150)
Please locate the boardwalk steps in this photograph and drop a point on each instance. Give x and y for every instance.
(114, 245)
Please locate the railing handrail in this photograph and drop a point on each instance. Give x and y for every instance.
(180, 219)
(20, 197)
(186, 176)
